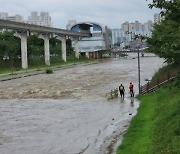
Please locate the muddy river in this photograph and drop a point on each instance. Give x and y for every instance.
(67, 112)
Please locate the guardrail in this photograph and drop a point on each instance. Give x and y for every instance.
(152, 85)
(112, 94)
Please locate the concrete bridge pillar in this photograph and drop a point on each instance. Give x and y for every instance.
(76, 45)
(46, 38)
(90, 54)
(87, 54)
(94, 55)
(23, 36)
(63, 42)
(97, 54)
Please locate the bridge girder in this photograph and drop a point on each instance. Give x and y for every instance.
(41, 29)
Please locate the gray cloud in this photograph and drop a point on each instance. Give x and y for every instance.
(109, 12)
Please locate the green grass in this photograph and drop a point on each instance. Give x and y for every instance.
(37, 63)
(156, 127)
(167, 122)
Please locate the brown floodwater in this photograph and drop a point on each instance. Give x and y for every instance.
(68, 112)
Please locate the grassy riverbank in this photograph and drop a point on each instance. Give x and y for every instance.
(156, 127)
(38, 65)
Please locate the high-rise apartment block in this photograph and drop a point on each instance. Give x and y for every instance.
(117, 36)
(132, 27)
(137, 27)
(17, 17)
(125, 26)
(43, 19)
(128, 30)
(157, 18)
(3, 15)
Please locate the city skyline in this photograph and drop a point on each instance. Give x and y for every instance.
(108, 12)
(36, 17)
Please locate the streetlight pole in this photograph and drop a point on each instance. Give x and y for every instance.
(139, 76)
(139, 72)
(139, 38)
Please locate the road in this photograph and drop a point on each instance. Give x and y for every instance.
(67, 112)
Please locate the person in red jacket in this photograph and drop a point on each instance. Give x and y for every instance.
(131, 89)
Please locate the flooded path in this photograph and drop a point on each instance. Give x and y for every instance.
(67, 112)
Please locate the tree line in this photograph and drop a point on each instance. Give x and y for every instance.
(10, 48)
(165, 40)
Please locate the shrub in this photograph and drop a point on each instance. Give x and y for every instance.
(49, 71)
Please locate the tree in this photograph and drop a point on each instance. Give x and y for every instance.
(10, 47)
(35, 46)
(2, 49)
(165, 40)
(69, 47)
(35, 50)
(55, 47)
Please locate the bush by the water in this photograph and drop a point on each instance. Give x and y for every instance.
(49, 71)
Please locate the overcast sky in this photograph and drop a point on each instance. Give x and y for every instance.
(108, 12)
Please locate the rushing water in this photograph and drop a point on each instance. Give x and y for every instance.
(85, 123)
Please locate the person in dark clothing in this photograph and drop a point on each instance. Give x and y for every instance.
(121, 90)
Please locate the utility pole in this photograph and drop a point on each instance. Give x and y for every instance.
(139, 72)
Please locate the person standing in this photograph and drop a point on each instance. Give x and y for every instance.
(121, 91)
(131, 89)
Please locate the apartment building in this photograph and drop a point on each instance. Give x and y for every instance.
(42, 19)
(17, 17)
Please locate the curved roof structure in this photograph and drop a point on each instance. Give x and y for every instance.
(86, 26)
(99, 39)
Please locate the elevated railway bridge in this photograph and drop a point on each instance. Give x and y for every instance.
(23, 30)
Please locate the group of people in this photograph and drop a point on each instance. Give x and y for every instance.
(122, 90)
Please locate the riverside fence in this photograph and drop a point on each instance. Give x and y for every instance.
(152, 85)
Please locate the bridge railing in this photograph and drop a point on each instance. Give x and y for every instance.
(152, 85)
